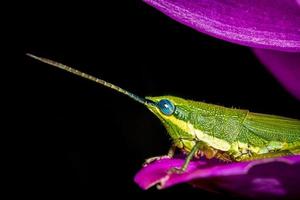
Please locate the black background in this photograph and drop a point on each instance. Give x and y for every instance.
(77, 137)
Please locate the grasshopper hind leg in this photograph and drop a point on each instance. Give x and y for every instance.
(268, 155)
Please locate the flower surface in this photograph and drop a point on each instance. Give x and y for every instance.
(272, 28)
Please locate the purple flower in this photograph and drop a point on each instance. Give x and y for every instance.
(271, 28)
(276, 177)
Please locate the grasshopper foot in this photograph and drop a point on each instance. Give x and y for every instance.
(176, 170)
(150, 160)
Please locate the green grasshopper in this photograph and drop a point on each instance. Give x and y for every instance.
(201, 129)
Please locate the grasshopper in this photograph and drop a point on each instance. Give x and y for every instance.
(213, 131)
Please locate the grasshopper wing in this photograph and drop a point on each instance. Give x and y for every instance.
(273, 128)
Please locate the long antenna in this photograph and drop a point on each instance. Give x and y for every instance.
(90, 77)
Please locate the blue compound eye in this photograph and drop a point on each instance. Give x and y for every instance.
(166, 107)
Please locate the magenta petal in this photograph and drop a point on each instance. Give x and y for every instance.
(276, 177)
(267, 24)
(156, 173)
(284, 66)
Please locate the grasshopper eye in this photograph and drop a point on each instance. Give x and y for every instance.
(166, 107)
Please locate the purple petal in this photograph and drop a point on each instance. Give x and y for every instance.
(258, 23)
(284, 66)
(276, 177)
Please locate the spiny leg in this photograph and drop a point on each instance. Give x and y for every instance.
(295, 151)
(266, 155)
(170, 154)
(191, 154)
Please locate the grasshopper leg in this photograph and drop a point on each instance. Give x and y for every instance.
(267, 155)
(170, 154)
(187, 160)
(295, 151)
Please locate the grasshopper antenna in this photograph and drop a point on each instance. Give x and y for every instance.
(90, 77)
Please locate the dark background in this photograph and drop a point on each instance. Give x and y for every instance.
(74, 136)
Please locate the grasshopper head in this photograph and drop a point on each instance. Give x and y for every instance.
(174, 115)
